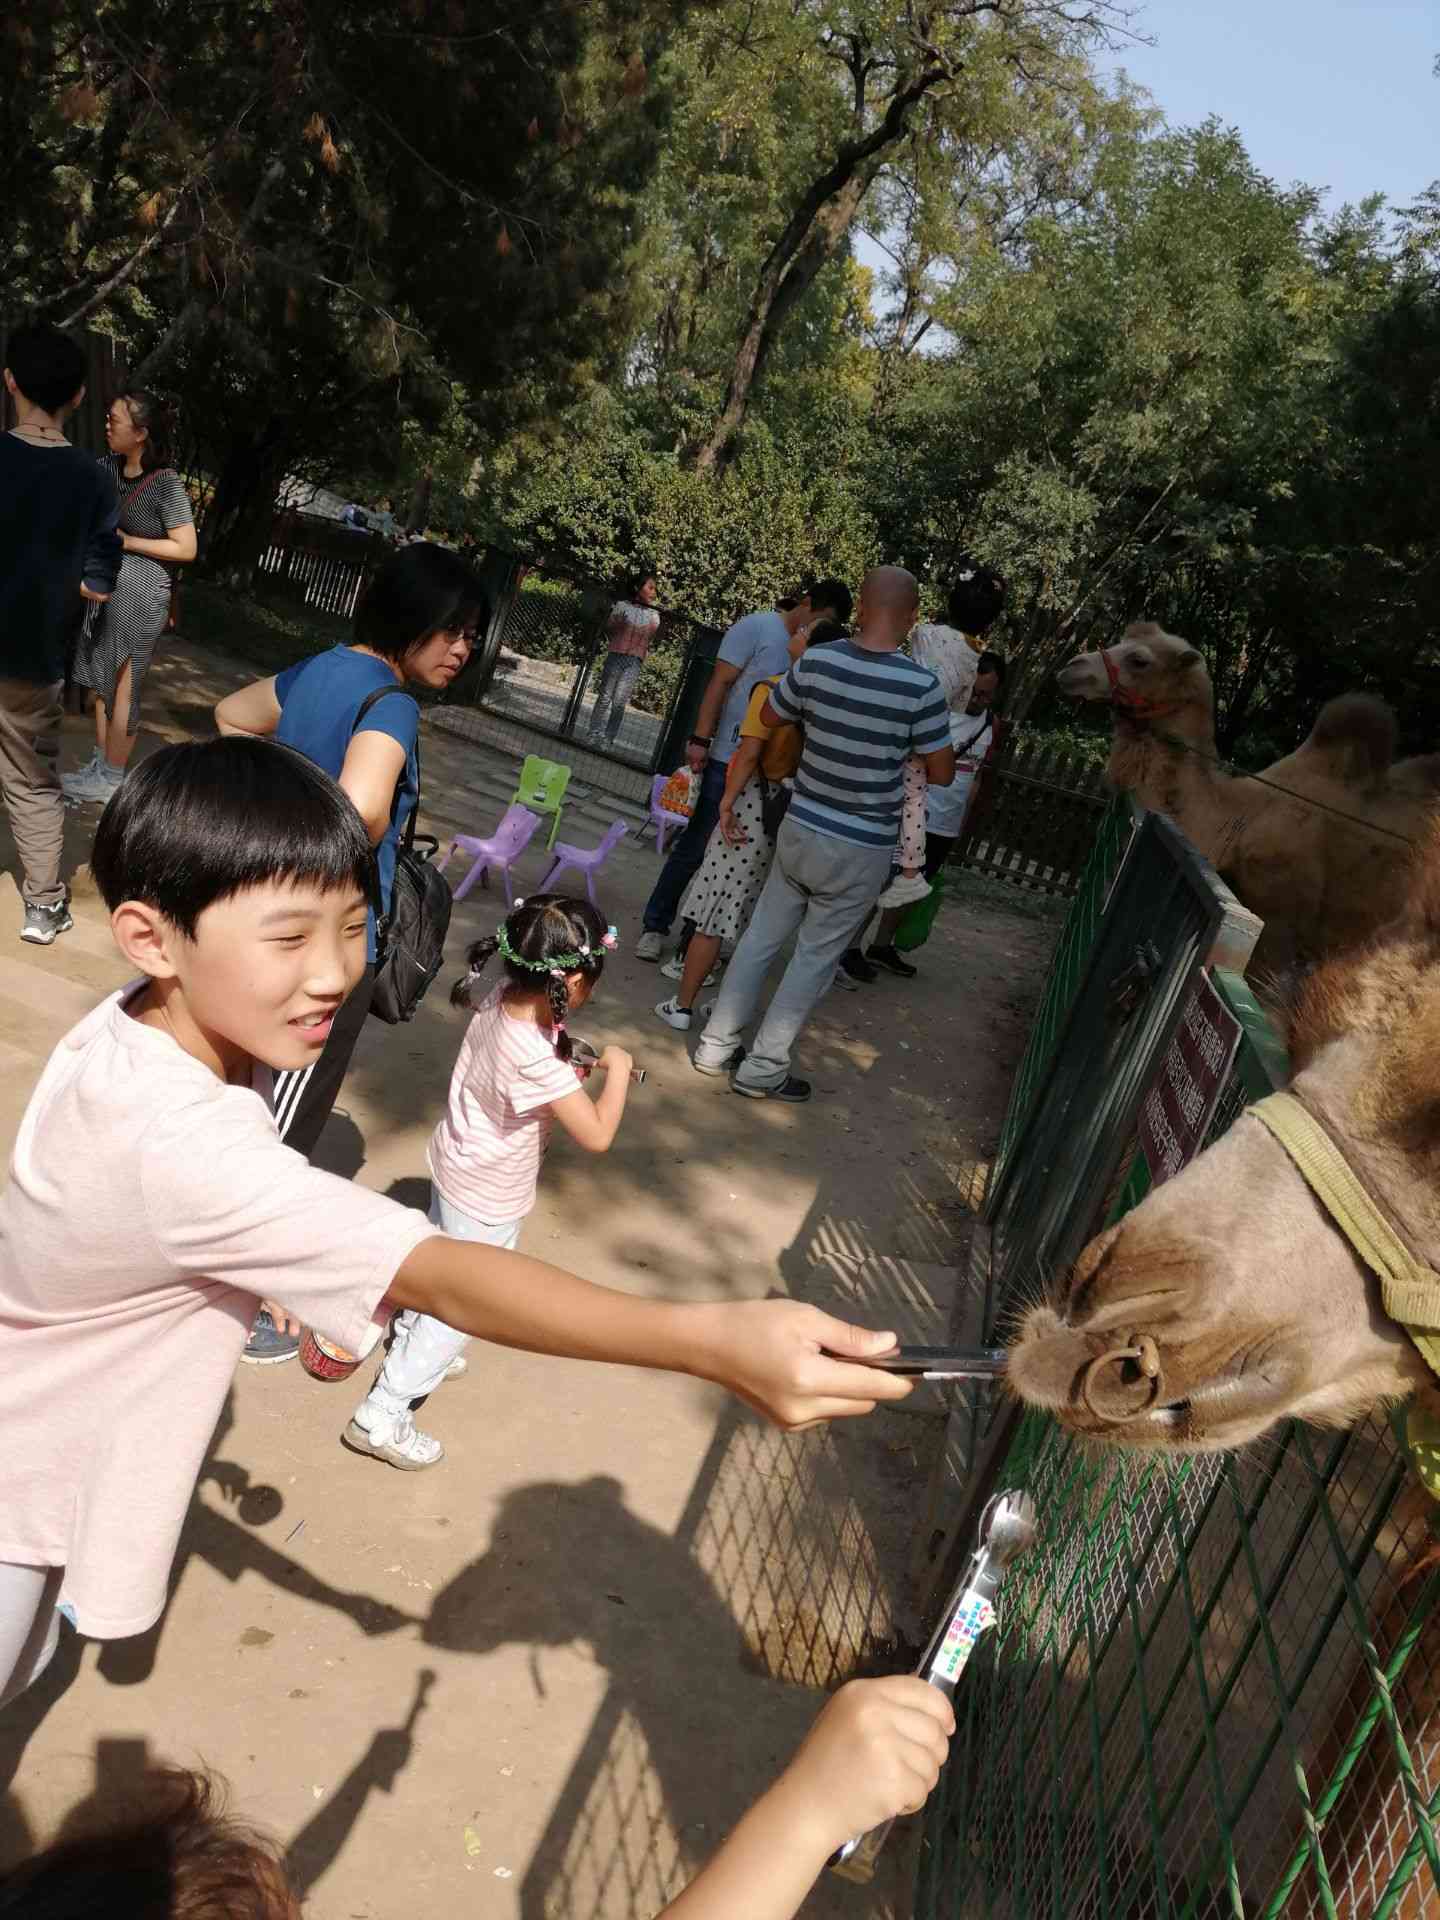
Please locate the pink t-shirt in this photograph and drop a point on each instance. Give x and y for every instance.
(485, 1154)
(149, 1206)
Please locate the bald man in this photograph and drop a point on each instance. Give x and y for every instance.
(865, 707)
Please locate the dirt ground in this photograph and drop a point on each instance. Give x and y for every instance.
(544, 1679)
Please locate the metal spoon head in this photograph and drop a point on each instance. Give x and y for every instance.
(1008, 1527)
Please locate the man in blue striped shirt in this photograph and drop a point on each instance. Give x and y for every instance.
(865, 707)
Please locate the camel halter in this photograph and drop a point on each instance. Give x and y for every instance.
(1136, 705)
(1409, 1288)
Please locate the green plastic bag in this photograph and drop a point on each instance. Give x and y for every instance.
(914, 929)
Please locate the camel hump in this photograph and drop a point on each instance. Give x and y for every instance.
(1417, 779)
(1355, 734)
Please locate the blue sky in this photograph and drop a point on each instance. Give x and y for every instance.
(1337, 93)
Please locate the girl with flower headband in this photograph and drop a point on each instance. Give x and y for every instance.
(512, 1081)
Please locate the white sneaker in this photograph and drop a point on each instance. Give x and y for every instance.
(673, 1016)
(402, 1445)
(649, 946)
(904, 890)
(674, 969)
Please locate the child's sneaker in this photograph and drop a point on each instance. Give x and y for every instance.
(890, 961)
(267, 1346)
(904, 890)
(674, 1015)
(402, 1445)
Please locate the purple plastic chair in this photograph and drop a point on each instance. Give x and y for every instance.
(661, 818)
(504, 847)
(587, 861)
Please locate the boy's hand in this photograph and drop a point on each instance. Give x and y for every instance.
(875, 1752)
(615, 1060)
(786, 1360)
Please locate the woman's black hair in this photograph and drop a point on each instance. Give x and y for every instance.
(420, 590)
(977, 597)
(550, 926)
(638, 579)
(196, 824)
(153, 417)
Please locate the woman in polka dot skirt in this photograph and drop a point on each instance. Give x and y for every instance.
(737, 860)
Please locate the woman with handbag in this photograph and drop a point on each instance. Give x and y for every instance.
(415, 624)
(737, 859)
(119, 638)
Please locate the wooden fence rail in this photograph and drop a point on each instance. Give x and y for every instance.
(322, 563)
(1033, 818)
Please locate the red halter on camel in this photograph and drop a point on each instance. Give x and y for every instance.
(1134, 705)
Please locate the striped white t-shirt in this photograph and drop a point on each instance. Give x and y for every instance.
(485, 1154)
(863, 713)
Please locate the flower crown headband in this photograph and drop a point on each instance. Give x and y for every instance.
(558, 963)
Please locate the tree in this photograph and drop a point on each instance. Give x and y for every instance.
(956, 77)
(320, 218)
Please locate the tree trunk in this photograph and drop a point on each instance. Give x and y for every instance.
(812, 237)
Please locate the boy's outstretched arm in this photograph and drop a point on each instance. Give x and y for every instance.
(776, 1355)
(876, 1751)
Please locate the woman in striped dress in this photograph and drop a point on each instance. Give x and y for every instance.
(119, 640)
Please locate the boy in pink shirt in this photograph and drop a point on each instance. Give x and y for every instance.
(151, 1203)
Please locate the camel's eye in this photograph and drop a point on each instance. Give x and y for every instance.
(1138, 660)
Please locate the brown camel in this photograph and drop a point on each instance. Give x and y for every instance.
(1321, 877)
(1256, 1304)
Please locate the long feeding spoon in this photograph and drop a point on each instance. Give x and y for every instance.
(1007, 1529)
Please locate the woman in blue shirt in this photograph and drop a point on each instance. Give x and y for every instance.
(415, 624)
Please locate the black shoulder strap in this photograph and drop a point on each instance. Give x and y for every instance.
(364, 708)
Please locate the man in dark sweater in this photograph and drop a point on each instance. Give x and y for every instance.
(59, 540)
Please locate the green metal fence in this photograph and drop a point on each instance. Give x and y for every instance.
(1214, 1689)
(1067, 968)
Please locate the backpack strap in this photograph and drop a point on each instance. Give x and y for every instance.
(408, 838)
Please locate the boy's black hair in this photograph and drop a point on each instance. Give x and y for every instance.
(835, 595)
(179, 1856)
(546, 927)
(49, 367)
(824, 633)
(418, 591)
(976, 598)
(196, 824)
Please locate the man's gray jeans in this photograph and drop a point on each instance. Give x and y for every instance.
(819, 889)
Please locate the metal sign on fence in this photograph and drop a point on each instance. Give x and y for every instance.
(1180, 1101)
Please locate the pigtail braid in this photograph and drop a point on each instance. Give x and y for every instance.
(475, 959)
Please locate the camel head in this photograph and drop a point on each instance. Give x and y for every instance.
(1228, 1300)
(1155, 673)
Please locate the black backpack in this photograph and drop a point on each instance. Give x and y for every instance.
(410, 934)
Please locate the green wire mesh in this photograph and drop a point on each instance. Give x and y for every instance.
(1214, 1689)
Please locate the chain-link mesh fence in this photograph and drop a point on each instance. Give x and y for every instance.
(1215, 1685)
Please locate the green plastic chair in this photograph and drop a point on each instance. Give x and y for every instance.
(542, 789)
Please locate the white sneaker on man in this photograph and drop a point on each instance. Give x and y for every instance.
(650, 945)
